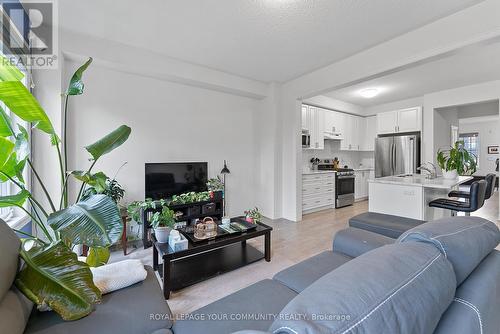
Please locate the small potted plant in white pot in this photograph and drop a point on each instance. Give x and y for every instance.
(162, 223)
(456, 161)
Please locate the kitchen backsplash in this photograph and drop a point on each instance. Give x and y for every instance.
(353, 159)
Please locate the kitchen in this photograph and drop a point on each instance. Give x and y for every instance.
(338, 152)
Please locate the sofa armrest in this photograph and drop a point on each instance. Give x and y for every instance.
(354, 241)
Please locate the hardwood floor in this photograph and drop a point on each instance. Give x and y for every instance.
(291, 243)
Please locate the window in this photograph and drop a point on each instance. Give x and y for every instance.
(471, 144)
(8, 188)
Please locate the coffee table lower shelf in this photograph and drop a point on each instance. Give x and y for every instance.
(194, 269)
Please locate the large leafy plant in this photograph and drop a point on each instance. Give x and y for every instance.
(51, 274)
(457, 158)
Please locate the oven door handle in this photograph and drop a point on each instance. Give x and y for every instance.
(346, 177)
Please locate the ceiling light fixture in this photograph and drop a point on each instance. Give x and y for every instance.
(369, 92)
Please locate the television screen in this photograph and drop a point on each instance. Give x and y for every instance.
(163, 180)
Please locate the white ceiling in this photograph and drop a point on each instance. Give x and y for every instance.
(266, 40)
(473, 65)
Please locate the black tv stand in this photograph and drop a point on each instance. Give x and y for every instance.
(188, 215)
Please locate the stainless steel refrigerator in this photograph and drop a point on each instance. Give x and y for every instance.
(397, 155)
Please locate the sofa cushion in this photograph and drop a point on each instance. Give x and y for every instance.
(9, 257)
(137, 309)
(354, 241)
(477, 301)
(300, 276)
(15, 310)
(388, 225)
(465, 241)
(392, 289)
(262, 300)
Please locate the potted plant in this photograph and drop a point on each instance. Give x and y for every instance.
(109, 187)
(215, 187)
(51, 274)
(162, 223)
(253, 215)
(456, 161)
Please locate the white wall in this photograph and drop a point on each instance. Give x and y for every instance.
(448, 98)
(488, 129)
(444, 119)
(170, 122)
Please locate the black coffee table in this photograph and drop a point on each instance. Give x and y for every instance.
(202, 260)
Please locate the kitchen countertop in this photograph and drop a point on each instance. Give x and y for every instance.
(360, 169)
(421, 181)
(305, 172)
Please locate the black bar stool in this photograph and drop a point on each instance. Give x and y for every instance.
(475, 201)
(490, 179)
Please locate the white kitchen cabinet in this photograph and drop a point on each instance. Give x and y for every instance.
(347, 135)
(361, 184)
(359, 132)
(410, 120)
(370, 134)
(353, 134)
(318, 191)
(338, 122)
(313, 120)
(318, 134)
(305, 119)
(387, 122)
(404, 120)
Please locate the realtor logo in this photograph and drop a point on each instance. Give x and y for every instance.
(30, 33)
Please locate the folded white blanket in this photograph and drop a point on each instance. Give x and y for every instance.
(118, 275)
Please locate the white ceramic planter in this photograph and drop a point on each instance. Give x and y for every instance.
(450, 175)
(162, 233)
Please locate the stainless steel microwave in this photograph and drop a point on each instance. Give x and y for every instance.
(306, 138)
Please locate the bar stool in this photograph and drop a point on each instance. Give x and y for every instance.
(490, 179)
(475, 201)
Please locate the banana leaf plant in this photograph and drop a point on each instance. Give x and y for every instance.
(51, 274)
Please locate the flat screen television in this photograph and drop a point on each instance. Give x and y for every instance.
(164, 180)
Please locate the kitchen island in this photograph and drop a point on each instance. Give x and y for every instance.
(409, 195)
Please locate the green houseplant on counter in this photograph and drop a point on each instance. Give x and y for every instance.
(456, 161)
(51, 274)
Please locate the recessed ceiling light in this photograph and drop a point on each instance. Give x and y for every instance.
(369, 92)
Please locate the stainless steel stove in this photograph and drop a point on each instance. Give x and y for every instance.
(344, 183)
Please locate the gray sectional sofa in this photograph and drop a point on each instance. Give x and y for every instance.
(440, 277)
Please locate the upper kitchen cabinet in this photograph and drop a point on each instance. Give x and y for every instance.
(354, 133)
(306, 120)
(368, 142)
(410, 120)
(313, 120)
(335, 122)
(387, 122)
(404, 120)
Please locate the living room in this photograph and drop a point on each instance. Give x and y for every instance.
(165, 166)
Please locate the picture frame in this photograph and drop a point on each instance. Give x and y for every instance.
(493, 149)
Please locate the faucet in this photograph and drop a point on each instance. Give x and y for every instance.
(432, 170)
